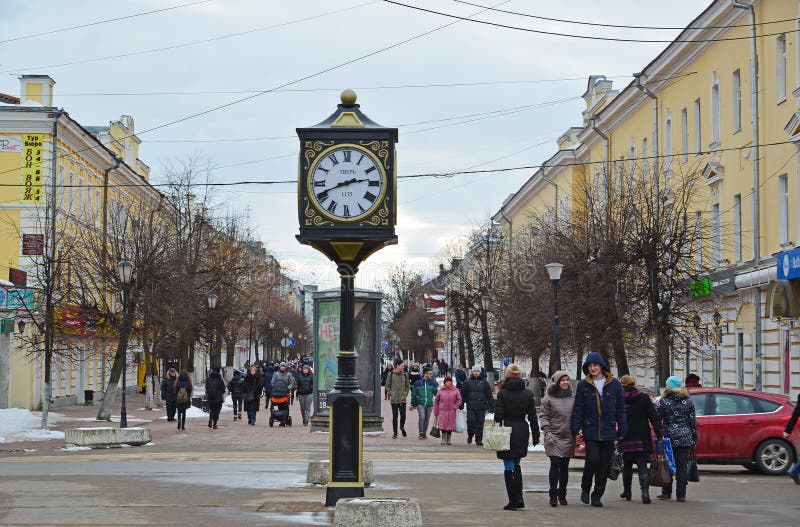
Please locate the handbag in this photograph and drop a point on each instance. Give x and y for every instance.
(461, 422)
(247, 397)
(435, 429)
(497, 437)
(692, 473)
(659, 471)
(615, 465)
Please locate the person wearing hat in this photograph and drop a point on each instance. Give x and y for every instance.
(422, 395)
(305, 392)
(477, 395)
(235, 387)
(559, 443)
(637, 445)
(398, 386)
(677, 414)
(514, 404)
(445, 405)
(215, 392)
(168, 394)
(598, 417)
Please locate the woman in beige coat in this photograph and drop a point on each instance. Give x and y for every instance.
(559, 443)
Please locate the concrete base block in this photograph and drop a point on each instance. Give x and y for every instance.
(107, 437)
(363, 512)
(318, 472)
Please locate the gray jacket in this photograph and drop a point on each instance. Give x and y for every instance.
(286, 376)
(555, 422)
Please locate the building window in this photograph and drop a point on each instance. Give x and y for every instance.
(780, 67)
(737, 227)
(737, 100)
(698, 241)
(783, 208)
(684, 135)
(645, 160)
(698, 144)
(714, 109)
(668, 146)
(716, 236)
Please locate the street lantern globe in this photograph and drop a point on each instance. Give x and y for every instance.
(291, 334)
(271, 324)
(21, 326)
(554, 270)
(125, 271)
(696, 321)
(251, 315)
(419, 332)
(717, 318)
(486, 300)
(212, 300)
(431, 325)
(285, 330)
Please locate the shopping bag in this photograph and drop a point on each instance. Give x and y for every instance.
(615, 465)
(435, 429)
(659, 471)
(497, 437)
(461, 422)
(692, 473)
(665, 446)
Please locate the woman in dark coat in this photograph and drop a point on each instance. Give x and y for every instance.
(676, 411)
(215, 393)
(637, 445)
(183, 383)
(251, 394)
(515, 403)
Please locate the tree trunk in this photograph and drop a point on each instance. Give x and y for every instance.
(110, 395)
(488, 364)
(620, 357)
(662, 355)
(462, 356)
(190, 354)
(230, 350)
(148, 365)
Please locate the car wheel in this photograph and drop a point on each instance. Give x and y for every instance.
(773, 457)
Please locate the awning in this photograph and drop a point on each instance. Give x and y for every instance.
(783, 299)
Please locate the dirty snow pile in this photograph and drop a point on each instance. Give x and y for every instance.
(17, 424)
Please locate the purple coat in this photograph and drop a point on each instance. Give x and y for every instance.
(445, 406)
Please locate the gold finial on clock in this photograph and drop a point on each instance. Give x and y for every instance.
(348, 97)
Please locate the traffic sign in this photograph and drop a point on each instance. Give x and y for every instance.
(287, 342)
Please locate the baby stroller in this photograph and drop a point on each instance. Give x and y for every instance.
(280, 404)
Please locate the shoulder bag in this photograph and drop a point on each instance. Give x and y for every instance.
(692, 473)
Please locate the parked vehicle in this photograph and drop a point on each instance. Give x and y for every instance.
(741, 427)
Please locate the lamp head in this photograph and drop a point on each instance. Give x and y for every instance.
(251, 315)
(717, 318)
(271, 324)
(486, 301)
(212, 300)
(554, 270)
(419, 332)
(125, 271)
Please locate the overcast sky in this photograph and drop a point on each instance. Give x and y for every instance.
(287, 41)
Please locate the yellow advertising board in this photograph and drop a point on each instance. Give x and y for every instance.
(32, 168)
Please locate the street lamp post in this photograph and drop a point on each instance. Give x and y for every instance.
(283, 343)
(250, 316)
(271, 327)
(419, 343)
(717, 318)
(212, 303)
(554, 271)
(125, 272)
(696, 324)
(488, 365)
(432, 327)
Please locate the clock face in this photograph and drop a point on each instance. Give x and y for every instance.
(347, 183)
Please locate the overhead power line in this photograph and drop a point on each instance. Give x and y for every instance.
(99, 22)
(618, 26)
(570, 35)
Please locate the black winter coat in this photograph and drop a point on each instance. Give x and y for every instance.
(304, 384)
(252, 384)
(215, 388)
(640, 412)
(183, 382)
(477, 395)
(267, 379)
(235, 386)
(795, 415)
(600, 418)
(515, 403)
(677, 412)
(168, 388)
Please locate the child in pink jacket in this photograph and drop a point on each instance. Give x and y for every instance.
(445, 406)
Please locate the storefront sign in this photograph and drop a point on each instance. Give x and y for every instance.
(10, 143)
(788, 264)
(32, 244)
(32, 160)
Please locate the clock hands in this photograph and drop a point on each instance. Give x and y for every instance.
(322, 195)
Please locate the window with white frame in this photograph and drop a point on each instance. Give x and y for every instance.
(716, 235)
(714, 108)
(698, 241)
(780, 67)
(684, 135)
(783, 208)
(737, 227)
(736, 82)
(698, 138)
(668, 145)
(645, 160)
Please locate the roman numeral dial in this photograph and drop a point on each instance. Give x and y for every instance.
(346, 183)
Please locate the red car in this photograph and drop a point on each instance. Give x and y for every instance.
(741, 427)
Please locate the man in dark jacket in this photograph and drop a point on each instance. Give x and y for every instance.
(215, 393)
(305, 392)
(598, 417)
(235, 388)
(267, 379)
(477, 395)
(461, 376)
(168, 393)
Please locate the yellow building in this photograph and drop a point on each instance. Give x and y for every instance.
(95, 167)
(691, 108)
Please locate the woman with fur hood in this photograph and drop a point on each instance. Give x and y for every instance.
(676, 411)
(559, 443)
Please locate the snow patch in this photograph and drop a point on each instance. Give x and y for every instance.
(18, 424)
(74, 448)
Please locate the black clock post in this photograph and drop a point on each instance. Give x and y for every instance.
(347, 210)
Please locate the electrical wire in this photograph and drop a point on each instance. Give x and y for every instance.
(618, 26)
(99, 22)
(187, 44)
(570, 35)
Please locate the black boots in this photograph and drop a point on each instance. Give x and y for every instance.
(553, 498)
(626, 494)
(518, 483)
(562, 497)
(644, 483)
(511, 490)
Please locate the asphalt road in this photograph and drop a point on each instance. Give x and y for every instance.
(151, 486)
